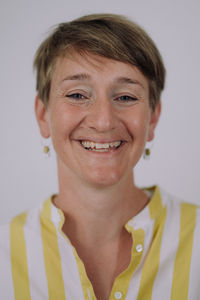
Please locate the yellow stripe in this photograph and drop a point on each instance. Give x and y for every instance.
(183, 256)
(19, 264)
(51, 252)
(155, 205)
(151, 265)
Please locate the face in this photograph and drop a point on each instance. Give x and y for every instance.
(98, 117)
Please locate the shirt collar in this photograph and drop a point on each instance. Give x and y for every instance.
(50, 214)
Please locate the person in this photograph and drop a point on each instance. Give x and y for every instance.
(99, 84)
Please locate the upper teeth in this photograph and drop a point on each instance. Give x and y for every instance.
(93, 145)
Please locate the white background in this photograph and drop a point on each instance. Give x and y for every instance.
(26, 177)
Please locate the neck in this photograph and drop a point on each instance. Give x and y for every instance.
(97, 215)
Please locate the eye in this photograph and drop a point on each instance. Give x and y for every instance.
(76, 96)
(126, 98)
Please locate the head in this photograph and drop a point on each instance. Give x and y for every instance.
(107, 35)
(99, 80)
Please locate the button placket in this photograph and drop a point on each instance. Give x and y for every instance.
(119, 290)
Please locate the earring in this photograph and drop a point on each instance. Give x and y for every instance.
(147, 153)
(147, 150)
(46, 147)
(46, 150)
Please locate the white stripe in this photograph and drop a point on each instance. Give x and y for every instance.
(194, 282)
(6, 283)
(73, 287)
(89, 295)
(35, 260)
(169, 246)
(134, 285)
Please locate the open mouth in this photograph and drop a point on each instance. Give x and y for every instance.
(101, 147)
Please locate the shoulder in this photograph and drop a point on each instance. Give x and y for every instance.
(186, 218)
(172, 201)
(187, 213)
(176, 212)
(27, 222)
(16, 225)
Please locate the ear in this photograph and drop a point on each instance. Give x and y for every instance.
(153, 121)
(42, 117)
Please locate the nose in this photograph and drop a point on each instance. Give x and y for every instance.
(102, 116)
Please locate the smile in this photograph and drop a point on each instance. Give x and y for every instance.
(101, 147)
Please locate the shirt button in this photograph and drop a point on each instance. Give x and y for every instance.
(139, 248)
(118, 295)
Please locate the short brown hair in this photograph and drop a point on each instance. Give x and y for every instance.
(107, 35)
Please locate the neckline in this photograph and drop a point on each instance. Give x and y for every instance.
(152, 209)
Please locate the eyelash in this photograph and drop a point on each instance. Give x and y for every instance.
(126, 98)
(123, 98)
(76, 96)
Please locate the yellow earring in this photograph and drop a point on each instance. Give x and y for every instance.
(147, 153)
(46, 149)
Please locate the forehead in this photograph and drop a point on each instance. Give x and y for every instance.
(91, 67)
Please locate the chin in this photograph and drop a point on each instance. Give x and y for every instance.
(103, 179)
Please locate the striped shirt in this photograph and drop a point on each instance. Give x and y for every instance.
(38, 262)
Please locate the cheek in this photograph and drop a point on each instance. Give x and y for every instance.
(64, 120)
(138, 123)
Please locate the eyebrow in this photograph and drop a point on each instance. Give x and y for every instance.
(119, 80)
(127, 80)
(81, 77)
